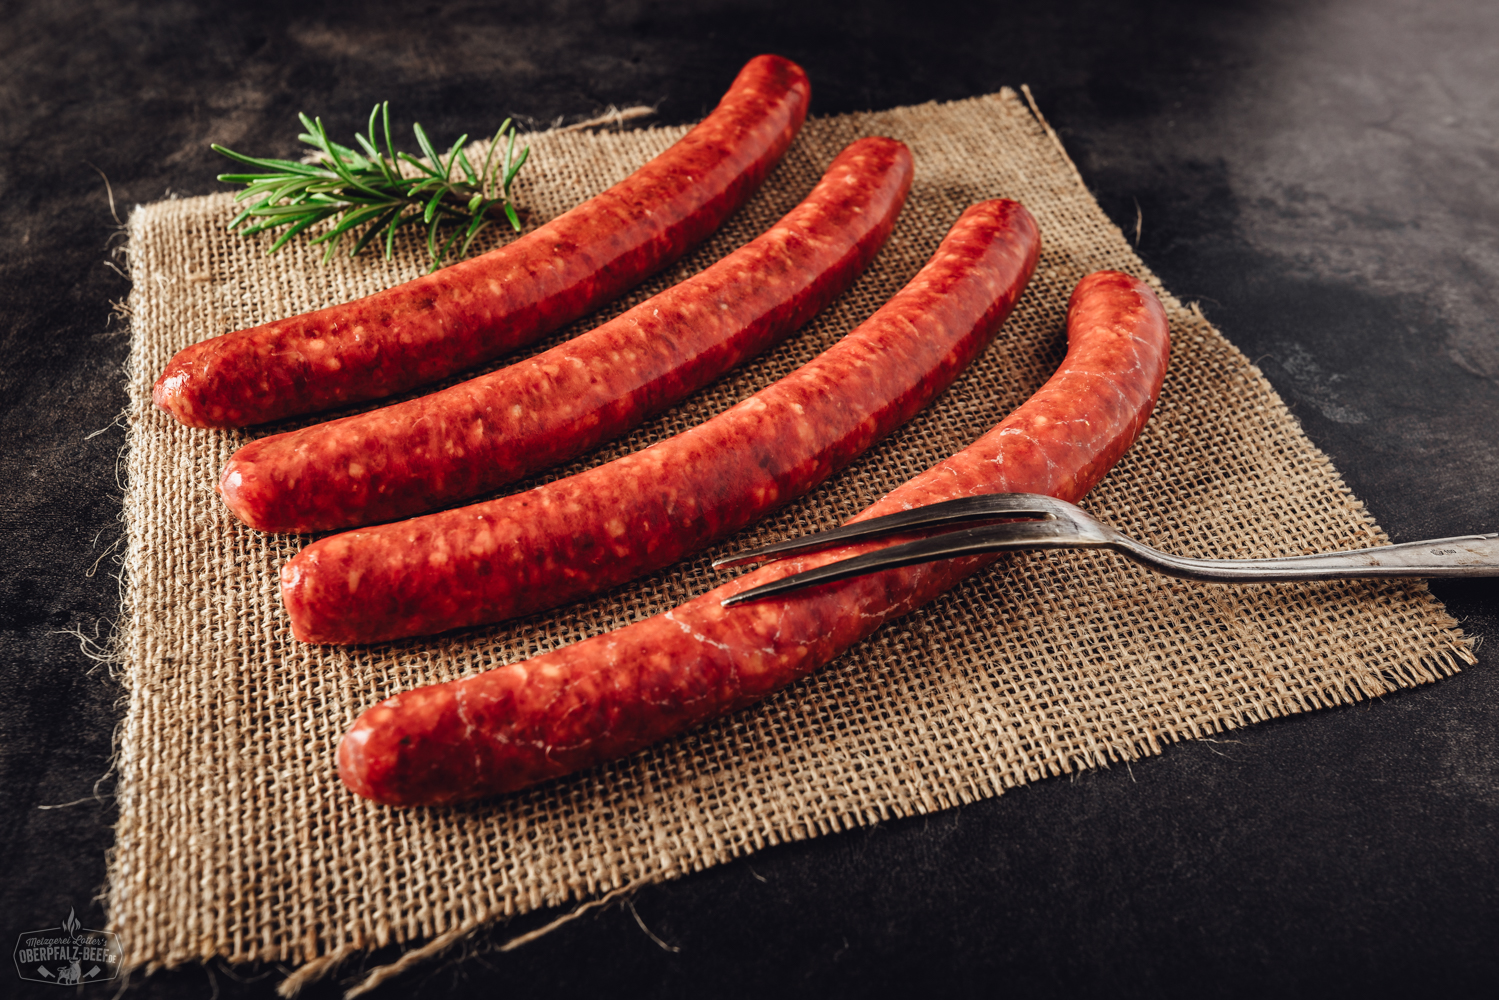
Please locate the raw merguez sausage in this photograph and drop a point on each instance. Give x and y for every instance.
(585, 533)
(495, 429)
(618, 692)
(478, 309)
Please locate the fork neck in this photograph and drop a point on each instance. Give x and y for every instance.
(1466, 556)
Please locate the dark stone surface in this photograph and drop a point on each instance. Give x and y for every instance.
(1319, 175)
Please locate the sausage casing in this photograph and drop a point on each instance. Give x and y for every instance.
(479, 435)
(478, 309)
(576, 536)
(618, 692)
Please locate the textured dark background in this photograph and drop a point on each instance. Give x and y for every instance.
(1321, 176)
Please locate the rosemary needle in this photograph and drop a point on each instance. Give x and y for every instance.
(376, 188)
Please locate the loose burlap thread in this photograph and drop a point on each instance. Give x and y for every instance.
(235, 837)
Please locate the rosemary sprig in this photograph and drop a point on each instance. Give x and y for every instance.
(368, 187)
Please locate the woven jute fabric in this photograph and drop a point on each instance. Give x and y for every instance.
(235, 837)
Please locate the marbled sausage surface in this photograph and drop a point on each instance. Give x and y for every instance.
(585, 533)
(500, 427)
(615, 693)
(478, 309)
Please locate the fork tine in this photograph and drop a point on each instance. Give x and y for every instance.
(983, 507)
(964, 542)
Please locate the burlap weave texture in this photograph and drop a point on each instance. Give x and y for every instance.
(235, 837)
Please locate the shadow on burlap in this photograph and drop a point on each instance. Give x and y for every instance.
(236, 838)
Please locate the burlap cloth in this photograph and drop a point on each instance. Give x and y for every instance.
(236, 838)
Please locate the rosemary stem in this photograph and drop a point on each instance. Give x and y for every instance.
(370, 192)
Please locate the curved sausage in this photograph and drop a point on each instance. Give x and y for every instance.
(495, 429)
(585, 533)
(616, 693)
(477, 309)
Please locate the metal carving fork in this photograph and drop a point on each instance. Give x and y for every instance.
(1055, 524)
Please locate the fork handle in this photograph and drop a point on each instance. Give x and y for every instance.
(1467, 555)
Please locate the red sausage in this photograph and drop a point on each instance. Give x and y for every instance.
(478, 309)
(618, 692)
(579, 535)
(481, 434)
